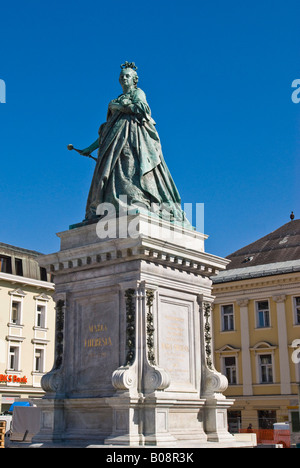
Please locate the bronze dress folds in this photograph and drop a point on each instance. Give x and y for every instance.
(130, 168)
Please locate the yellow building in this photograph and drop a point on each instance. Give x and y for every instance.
(256, 320)
(27, 325)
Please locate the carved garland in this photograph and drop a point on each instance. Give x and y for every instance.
(150, 327)
(207, 335)
(130, 326)
(60, 318)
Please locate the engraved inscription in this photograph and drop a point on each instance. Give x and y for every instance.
(174, 342)
(98, 341)
(95, 342)
(98, 349)
(97, 338)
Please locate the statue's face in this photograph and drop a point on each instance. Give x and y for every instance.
(127, 77)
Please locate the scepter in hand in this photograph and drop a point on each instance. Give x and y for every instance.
(71, 147)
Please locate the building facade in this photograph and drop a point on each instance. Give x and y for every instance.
(27, 323)
(256, 326)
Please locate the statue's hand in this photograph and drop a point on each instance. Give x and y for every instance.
(85, 152)
(126, 102)
(113, 105)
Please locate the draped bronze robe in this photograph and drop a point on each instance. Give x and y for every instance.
(130, 162)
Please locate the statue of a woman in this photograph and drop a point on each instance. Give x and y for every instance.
(130, 161)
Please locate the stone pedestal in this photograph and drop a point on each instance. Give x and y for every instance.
(133, 363)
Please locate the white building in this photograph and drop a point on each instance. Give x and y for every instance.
(27, 324)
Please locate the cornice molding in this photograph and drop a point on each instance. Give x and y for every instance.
(13, 279)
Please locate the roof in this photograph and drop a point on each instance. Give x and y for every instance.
(282, 245)
(8, 247)
(257, 271)
(276, 253)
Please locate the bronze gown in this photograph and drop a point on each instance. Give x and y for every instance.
(130, 162)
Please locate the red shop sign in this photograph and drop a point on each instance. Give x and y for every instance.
(12, 378)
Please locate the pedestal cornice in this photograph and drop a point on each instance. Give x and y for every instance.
(158, 242)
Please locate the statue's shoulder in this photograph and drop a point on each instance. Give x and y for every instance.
(139, 94)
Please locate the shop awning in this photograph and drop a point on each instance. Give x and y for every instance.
(19, 403)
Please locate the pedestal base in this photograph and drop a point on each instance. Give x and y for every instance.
(133, 363)
(216, 424)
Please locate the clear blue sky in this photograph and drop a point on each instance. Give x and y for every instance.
(217, 76)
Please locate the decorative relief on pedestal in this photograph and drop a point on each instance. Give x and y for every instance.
(124, 377)
(155, 377)
(215, 382)
(150, 327)
(140, 372)
(130, 326)
(52, 381)
(59, 338)
(207, 335)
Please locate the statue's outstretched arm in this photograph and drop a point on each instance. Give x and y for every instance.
(91, 148)
(87, 151)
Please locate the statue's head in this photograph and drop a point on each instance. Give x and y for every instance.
(129, 74)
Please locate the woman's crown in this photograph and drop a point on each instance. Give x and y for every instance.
(129, 65)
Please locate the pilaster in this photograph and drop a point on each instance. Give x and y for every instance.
(285, 377)
(245, 347)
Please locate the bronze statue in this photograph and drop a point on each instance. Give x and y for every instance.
(130, 160)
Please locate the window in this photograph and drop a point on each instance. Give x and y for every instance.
(40, 315)
(16, 312)
(227, 317)
(19, 267)
(295, 420)
(5, 264)
(16, 307)
(39, 360)
(265, 368)
(43, 274)
(234, 421)
(266, 419)
(297, 310)
(13, 358)
(230, 369)
(262, 314)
